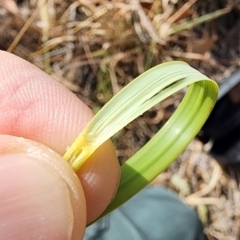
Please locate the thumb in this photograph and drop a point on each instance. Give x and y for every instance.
(40, 195)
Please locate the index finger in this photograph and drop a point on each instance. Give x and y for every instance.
(35, 106)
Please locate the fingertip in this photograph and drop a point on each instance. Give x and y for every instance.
(100, 178)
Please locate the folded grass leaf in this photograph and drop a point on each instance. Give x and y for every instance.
(137, 97)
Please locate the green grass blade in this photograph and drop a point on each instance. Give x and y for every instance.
(168, 143)
(137, 97)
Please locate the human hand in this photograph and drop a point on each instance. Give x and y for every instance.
(40, 195)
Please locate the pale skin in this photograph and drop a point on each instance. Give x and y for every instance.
(41, 197)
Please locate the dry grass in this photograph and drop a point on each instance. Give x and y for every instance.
(96, 47)
(211, 190)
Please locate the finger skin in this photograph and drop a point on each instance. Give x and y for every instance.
(36, 107)
(91, 175)
(40, 196)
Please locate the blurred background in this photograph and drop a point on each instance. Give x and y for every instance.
(97, 47)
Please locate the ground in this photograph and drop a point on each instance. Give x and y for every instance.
(97, 47)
